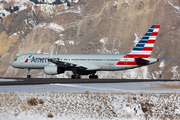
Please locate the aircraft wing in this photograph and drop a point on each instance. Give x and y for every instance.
(84, 66)
(63, 64)
(77, 65)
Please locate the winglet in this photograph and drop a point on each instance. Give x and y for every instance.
(50, 55)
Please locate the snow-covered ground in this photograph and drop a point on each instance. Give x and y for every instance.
(107, 101)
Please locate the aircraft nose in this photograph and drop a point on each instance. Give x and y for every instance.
(13, 64)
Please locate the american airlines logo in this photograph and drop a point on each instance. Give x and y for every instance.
(41, 60)
(28, 59)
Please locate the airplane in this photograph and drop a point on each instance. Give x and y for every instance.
(89, 64)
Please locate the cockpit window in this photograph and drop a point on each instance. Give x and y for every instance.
(15, 59)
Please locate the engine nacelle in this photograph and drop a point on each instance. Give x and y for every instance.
(53, 70)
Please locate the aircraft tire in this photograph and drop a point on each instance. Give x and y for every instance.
(76, 77)
(79, 77)
(93, 77)
(90, 77)
(73, 76)
(28, 76)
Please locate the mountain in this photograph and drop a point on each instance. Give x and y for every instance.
(103, 26)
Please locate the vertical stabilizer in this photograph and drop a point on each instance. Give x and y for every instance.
(145, 46)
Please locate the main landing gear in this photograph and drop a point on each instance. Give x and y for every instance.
(28, 73)
(76, 76)
(93, 77)
(79, 77)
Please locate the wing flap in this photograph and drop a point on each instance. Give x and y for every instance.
(89, 66)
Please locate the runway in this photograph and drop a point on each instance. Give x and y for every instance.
(37, 81)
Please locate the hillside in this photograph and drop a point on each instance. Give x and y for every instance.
(85, 26)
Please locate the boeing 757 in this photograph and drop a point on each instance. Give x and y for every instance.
(89, 64)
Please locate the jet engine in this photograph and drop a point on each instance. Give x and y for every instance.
(53, 70)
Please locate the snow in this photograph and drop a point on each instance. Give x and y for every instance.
(162, 64)
(77, 10)
(15, 34)
(71, 42)
(127, 2)
(47, 9)
(49, 1)
(59, 42)
(103, 40)
(115, 3)
(33, 11)
(21, 5)
(5, 12)
(32, 22)
(136, 38)
(52, 25)
(62, 75)
(55, 27)
(75, 1)
(176, 7)
(175, 72)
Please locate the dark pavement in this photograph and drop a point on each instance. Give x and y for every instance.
(35, 81)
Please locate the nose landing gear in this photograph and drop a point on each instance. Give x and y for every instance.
(28, 73)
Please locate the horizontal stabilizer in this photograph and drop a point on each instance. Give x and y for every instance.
(164, 58)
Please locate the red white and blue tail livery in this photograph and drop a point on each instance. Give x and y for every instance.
(145, 46)
(142, 51)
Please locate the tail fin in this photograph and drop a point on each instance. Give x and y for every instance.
(145, 46)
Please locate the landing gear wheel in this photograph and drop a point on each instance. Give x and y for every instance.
(93, 77)
(72, 76)
(76, 77)
(28, 73)
(28, 76)
(79, 77)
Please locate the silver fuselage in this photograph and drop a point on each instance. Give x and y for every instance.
(105, 62)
